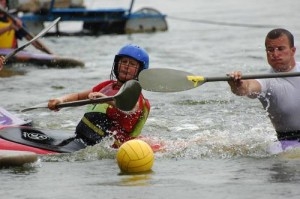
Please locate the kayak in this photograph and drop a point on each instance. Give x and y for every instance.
(18, 135)
(278, 147)
(21, 144)
(25, 138)
(41, 59)
(9, 156)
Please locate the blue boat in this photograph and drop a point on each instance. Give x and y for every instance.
(98, 21)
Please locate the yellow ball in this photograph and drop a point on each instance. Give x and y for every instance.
(135, 156)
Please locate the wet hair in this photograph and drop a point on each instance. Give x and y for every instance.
(278, 32)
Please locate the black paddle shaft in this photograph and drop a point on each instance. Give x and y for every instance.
(125, 99)
(254, 76)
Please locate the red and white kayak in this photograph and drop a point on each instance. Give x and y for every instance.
(25, 138)
(15, 134)
(9, 155)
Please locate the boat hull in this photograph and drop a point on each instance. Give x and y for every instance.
(18, 135)
(99, 21)
(25, 138)
(283, 146)
(145, 20)
(41, 59)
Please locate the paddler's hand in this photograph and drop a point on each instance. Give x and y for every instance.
(17, 25)
(95, 95)
(52, 104)
(2, 62)
(235, 80)
(236, 83)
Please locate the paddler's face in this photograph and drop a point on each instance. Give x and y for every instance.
(128, 68)
(280, 54)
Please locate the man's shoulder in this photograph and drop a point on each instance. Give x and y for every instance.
(298, 64)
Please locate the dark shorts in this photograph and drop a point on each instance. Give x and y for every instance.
(93, 127)
(291, 135)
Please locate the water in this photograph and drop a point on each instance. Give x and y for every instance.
(214, 142)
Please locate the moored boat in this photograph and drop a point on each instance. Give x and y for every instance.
(96, 21)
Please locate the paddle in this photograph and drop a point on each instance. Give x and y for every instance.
(125, 99)
(170, 80)
(9, 119)
(44, 31)
(29, 35)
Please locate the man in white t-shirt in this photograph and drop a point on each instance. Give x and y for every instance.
(279, 96)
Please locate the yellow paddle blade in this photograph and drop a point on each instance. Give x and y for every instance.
(196, 80)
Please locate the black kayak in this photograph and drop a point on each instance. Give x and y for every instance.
(25, 138)
(40, 59)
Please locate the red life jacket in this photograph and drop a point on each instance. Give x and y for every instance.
(123, 125)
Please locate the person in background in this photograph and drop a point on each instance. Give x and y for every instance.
(102, 120)
(279, 96)
(10, 31)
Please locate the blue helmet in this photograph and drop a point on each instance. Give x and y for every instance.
(135, 52)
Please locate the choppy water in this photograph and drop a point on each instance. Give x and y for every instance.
(215, 142)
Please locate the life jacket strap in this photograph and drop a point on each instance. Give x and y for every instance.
(92, 126)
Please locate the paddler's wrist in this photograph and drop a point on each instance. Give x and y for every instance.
(9, 28)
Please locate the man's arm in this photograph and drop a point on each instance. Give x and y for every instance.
(250, 88)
